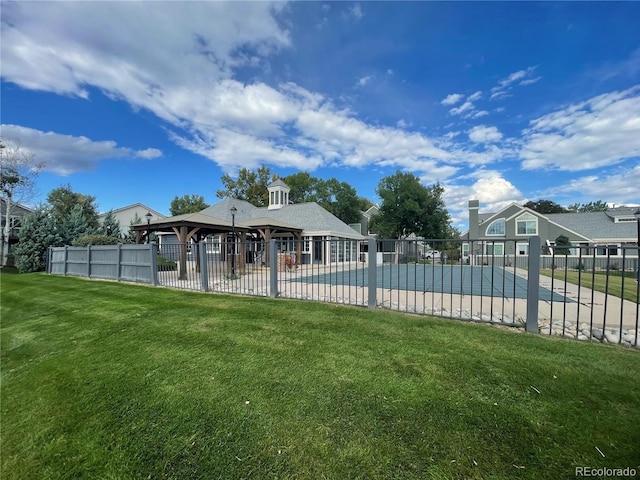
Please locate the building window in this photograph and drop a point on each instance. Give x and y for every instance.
(465, 249)
(522, 249)
(496, 227)
(527, 224)
(306, 244)
(494, 249)
(605, 250)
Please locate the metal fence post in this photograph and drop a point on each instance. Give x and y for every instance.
(204, 272)
(119, 262)
(153, 263)
(88, 261)
(533, 284)
(273, 269)
(373, 273)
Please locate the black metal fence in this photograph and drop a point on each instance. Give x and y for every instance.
(583, 296)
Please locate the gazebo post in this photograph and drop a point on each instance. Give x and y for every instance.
(298, 236)
(182, 240)
(243, 252)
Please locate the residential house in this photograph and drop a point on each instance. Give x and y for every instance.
(599, 233)
(126, 215)
(15, 222)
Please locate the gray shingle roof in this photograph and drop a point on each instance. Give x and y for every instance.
(595, 225)
(310, 217)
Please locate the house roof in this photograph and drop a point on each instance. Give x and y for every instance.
(17, 207)
(598, 226)
(133, 206)
(278, 183)
(310, 217)
(595, 226)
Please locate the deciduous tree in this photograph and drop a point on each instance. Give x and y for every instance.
(545, 206)
(18, 171)
(63, 200)
(249, 186)
(187, 204)
(409, 207)
(597, 206)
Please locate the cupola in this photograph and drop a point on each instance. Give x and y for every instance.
(278, 194)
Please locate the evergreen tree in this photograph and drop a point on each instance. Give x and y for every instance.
(131, 235)
(38, 233)
(563, 245)
(110, 226)
(74, 225)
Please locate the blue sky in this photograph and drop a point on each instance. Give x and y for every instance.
(498, 101)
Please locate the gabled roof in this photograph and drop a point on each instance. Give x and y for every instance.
(592, 226)
(278, 183)
(15, 206)
(598, 226)
(133, 206)
(310, 217)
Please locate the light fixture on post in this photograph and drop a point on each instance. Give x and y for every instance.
(148, 216)
(233, 229)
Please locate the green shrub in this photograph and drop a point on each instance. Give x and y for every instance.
(95, 239)
(166, 265)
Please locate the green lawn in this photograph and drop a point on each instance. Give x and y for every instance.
(102, 380)
(598, 281)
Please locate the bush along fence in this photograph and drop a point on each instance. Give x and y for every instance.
(509, 282)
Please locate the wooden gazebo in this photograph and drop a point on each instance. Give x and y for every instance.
(198, 226)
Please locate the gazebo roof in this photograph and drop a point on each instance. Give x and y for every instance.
(207, 224)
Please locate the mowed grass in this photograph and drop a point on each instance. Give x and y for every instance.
(103, 380)
(598, 281)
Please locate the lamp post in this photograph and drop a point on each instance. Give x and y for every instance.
(148, 217)
(233, 229)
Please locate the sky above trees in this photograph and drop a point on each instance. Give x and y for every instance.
(498, 101)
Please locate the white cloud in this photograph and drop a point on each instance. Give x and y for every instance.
(484, 134)
(475, 96)
(530, 81)
(619, 187)
(602, 131)
(200, 39)
(356, 11)
(452, 99)
(523, 77)
(66, 154)
(363, 81)
(465, 107)
(479, 113)
(149, 153)
(492, 190)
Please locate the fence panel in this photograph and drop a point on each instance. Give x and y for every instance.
(104, 262)
(336, 273)
(503, 282)
(133, 263)
(600, 296)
